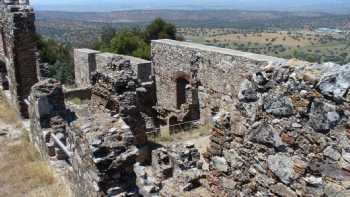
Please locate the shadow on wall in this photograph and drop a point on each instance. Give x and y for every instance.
(3, 76)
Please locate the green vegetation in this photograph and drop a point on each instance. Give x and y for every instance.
(59, 57)
(135, 41)
(286, 35)
(75, 101)
(127, 41)
(159, 29)
(306, 45)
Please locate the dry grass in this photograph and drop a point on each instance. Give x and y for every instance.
(165, 135)
(22, 172)
(264, 38)
(7, 114)
(75, 101)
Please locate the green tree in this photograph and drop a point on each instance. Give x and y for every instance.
(107, 34)
(62, 72)
(159, 29)
(136, 41)
(129, 42)
(59, 57)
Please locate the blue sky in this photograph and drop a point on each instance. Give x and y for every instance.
(107, 5)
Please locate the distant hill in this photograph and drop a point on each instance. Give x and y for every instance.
(72, 26)
(136, 16)
(205, 18)
(332, 6)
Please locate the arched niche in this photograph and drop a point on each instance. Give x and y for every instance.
(182, 80)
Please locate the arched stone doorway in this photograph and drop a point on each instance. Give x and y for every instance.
(181, 92)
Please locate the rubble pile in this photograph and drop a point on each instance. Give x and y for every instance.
(104, 156)
(49, 117)
(175, 170)
(295, 140)
(116, 90)
(220, 135)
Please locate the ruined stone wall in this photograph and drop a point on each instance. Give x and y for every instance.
(116, 80)
(87, 61)
(18, 50)
(93, 150)
(80, 93)
(116, 90)
(48, 116)
(294, 139)
(214, 74)
(103, 158)
(84, 65)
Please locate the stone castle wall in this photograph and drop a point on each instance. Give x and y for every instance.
(87, 61)
(18, 50)
(213, 73)
(295, 136)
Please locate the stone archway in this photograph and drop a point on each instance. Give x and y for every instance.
(181, 94)
(182, 80)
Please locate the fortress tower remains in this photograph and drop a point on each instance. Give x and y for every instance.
(18, 48)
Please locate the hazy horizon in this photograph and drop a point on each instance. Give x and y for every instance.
(258, 5)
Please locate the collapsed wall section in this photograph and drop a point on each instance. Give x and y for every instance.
(294, 138)
(104, 154)
(119, 84)
(49, 118)
(94, 150)
(200, 79)
(87, 61)
(114, 91)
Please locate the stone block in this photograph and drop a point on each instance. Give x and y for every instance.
(84, 65)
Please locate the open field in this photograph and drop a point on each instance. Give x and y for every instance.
(302, 44)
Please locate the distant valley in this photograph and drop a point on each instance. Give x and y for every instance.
(72, 26)
(282, 34)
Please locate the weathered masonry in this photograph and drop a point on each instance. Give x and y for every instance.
(195, 81)
(18, 59)
(88, 61)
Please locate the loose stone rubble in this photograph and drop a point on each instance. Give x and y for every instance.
(49, 116)
(175, 170)
(105, 149)
(295, 137)
(116, 90)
